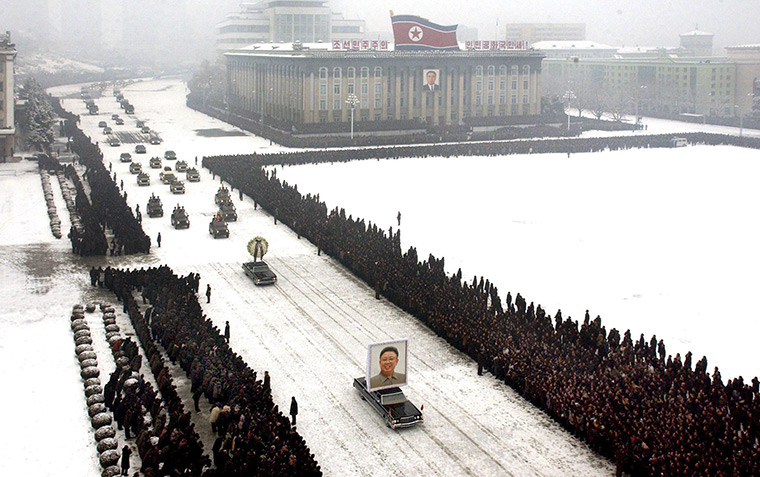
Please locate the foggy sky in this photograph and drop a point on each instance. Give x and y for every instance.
(184, 29)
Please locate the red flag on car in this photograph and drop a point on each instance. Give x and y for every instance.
(411, 32)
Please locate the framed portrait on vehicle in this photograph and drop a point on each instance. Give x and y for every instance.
(387, 364)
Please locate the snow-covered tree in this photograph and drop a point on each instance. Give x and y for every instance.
(38, 120)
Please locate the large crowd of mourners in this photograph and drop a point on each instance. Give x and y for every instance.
(254, 437)
(653, 413)
(108, 203)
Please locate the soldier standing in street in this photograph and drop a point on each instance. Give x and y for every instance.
(227, 331)
(158, 239)
(293, 410)
(208, 293)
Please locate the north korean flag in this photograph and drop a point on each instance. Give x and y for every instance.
(411, 32)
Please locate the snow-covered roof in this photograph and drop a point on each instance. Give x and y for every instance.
(755, 46)
(570, 45)
(285, 46)
(697, 33)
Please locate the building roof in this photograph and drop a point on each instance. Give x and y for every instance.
(571, 45)
(755, 46)
(697, 33)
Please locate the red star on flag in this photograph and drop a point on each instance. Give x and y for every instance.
(415, 33)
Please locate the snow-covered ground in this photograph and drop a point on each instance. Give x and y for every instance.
(512, 219)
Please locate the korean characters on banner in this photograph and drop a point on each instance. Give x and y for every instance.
(496, 45)
(386, 364)
(360, 45)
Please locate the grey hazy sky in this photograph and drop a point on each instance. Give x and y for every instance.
(189, 24)
(615, 22)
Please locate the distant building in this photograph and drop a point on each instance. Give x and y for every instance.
(747, 60)
(278, 21)
(574, 49)
(7, 103)
(655, 80)
(533, 32)
(697, 43)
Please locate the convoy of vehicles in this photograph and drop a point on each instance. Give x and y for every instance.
(155, 162)
(113, 141)
(180, 166)
(166, 176)
(140, 149)
(143, 179)
(222, 195)
(135, 168)
(125, 157)
(170, 155)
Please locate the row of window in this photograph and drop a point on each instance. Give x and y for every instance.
(378, 71)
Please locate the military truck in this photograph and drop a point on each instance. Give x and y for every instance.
(193, 175)
(155, 209)
(221, 195)
(143, 179)
(181, 166)
(177, 186)
(135, 168)
(227, 211)
(180, 220)
(218, 228)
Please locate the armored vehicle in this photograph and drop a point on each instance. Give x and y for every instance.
(218, 228)
(221, 195)
(192, 175)
(143, 179)
(177, 186)
(180, 166)
(260, 273)
(135, 168)
(155, 162)
(227, 211)
(180, 220)
(155, 209)
(391, 404)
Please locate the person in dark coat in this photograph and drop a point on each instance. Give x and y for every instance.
(293, 410)
(126, 452)
(158, 239)
(208, 293)
(267, 385)
(227, 331)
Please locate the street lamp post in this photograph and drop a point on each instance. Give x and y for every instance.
(568, 96)
(352, 101)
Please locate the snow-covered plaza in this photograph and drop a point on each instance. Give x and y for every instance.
(656, 241)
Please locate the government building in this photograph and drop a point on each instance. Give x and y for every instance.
(296, 84)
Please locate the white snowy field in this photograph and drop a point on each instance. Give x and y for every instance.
(660, 241)
(309, 331)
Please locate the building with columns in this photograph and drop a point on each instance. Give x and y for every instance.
(7, 103)
(306, 85)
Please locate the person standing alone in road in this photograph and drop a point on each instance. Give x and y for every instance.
(293, 410)
(227, 331)
(208, 293)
